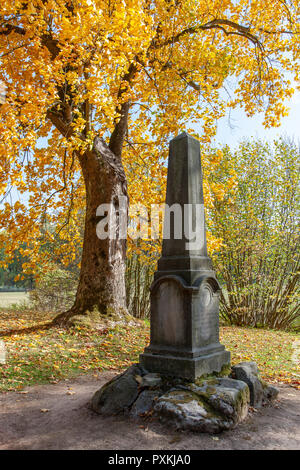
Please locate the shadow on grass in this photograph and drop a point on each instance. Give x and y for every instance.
(28, 329)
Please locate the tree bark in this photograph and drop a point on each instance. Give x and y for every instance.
(101, 288)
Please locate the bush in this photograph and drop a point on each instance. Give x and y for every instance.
(55, 290)
(258, 222)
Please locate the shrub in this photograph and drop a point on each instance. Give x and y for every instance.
(258, 263)
(55, 290)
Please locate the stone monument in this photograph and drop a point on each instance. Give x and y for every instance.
(185, 292)
(167, 383)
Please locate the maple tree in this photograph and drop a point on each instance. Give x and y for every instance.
(95, 89)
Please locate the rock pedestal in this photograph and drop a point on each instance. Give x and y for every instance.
(185, 292)
(212, 405)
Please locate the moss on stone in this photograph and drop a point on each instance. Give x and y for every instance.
(224, 372)
(182, 397)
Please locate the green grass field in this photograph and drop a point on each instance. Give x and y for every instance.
(9, 298)
(49, 355)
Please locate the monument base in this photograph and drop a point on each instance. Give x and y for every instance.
(183, 367)
(213, 404)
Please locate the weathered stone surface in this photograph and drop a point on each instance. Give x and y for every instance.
(186, 410)
(151, 380)
(212, 406)
(260, 392)
(144, 403)
(185, 292)
(117, 395)
(270, 393)
(228, 396)
(248, 373)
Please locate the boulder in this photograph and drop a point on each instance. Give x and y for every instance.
(117, 395)
(186, 410)
(144, 403)
(270, 393)
(228, 396)
(260, 392)
(211, 406)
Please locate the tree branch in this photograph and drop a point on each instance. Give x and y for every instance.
(119, 132)
(64, 127)
(214, 24)
(8, 28)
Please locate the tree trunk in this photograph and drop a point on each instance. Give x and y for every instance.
(101, 288)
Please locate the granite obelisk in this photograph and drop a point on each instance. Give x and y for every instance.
(185, 292)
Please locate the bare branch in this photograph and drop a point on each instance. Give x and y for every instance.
(214, 24)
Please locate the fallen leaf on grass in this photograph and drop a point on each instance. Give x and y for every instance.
(44, 410)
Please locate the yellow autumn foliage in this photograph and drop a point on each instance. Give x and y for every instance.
(169, 59)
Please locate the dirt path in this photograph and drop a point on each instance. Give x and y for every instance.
(70, 424)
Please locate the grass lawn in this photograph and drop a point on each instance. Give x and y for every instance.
(9, 298)
(50, 355)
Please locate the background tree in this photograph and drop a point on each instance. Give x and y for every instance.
(94, 86)
(258, 221)
(10, 276)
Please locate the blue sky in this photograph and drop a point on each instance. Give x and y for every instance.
(241, 126)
